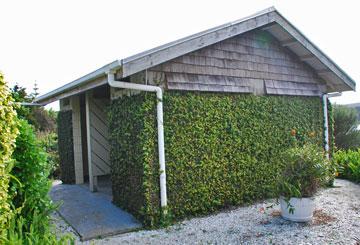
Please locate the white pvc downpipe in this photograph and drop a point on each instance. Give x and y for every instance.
(160, 126)
(326, 120)
(326, 125)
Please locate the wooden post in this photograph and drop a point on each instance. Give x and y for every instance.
(78, 161)
(92, 185)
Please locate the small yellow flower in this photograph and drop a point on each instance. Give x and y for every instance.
(312, 134)
(336, 174)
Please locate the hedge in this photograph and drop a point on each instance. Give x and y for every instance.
(8, 133)
(66, 147)
(221, 149)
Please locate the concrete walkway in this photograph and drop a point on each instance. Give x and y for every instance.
(92, 215)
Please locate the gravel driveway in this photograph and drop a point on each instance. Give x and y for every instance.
(336, 221)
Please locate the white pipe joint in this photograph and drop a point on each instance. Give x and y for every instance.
(160, 126)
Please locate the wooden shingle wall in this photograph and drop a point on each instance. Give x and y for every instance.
(253, 62)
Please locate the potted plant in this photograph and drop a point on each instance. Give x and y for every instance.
(306, 170)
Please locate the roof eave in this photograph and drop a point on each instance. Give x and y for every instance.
(47, 98)
(282, 21)
(163, 53)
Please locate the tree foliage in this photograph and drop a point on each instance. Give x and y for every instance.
(39, 117)
(347, 135)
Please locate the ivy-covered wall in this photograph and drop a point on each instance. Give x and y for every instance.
(221, 149)
(66, 147)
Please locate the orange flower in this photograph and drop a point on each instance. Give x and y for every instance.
(293, 132)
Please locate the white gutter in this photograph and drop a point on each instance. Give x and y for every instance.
(29, 104)
(80, 81)
(326, 120)
(160, 126)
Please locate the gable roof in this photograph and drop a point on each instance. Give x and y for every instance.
(269, 19)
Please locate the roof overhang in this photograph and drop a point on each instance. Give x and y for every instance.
(269, 19)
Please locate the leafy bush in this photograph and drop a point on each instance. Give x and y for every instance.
(29, 191)
(221, 149)
(8, 133)
(348, 163)
(49, 142)
(347, 136)
(306, 169)
(24, 201)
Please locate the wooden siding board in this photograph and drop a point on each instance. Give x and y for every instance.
(291, 88)
(247, 65)
(100, 147)
(100, 138)
(208, 83)
(172, 67)
(100, 151)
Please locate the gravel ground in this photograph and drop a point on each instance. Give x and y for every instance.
(336, 221)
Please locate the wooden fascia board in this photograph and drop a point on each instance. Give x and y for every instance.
(296, 34)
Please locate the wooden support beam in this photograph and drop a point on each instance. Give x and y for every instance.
(323, 71)
(307, 57)
(92, 182)
(289, 42)
(268, 27)
(78, 160)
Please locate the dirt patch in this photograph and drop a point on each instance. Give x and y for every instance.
(321, 218)
(275, 213)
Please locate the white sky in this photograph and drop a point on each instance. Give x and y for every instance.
(55, 42)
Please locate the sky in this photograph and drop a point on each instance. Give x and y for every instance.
(55, 42)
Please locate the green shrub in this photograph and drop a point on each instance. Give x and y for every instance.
(348, 163)
(221, 149)
(306, 169)
(66, 147)
(29, 191)
(19, 233)
(8, 133)
(347, 135)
